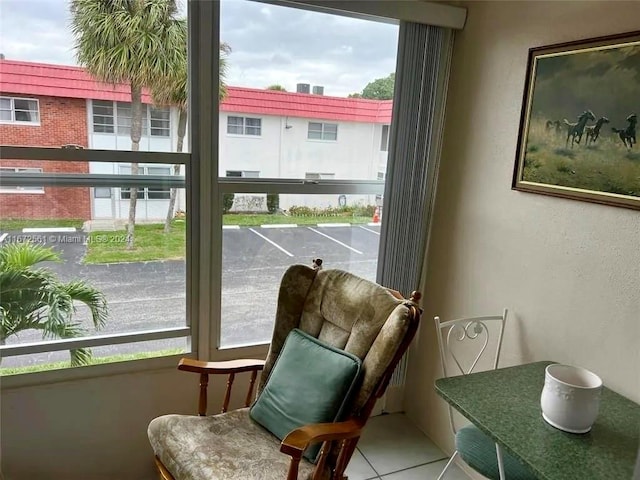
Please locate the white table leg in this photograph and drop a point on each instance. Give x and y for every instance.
(500, 464)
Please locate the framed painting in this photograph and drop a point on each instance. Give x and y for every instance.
(578, 128)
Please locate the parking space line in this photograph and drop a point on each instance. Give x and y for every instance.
(279, 225)
(323, 225)
(272, 242)
(335, 240)
(3, 236)
(369, 230)
(49, 230)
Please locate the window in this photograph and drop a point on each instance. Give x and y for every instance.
(323, 131)
(160, 122)
(384, 141)
(380, 175)
(146, 193)
(104, 118)
(244, 126)
(243, 173)
(19, 110)
(102, 192)
(17, 189)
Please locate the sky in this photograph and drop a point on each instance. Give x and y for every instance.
(269, 44)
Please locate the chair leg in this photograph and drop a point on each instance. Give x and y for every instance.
(500, 463)
(455, 454)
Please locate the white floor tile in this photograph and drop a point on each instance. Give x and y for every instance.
(359, 468)
(429, 472)
(391, 443)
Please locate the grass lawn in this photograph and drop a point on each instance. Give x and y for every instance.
(152, 244)
(19, 224)
(94, 361)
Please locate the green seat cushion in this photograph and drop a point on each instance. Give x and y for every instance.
(310, 382)
(479, 452)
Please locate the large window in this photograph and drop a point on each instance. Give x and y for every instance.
(316, 195)
(244, 126)
(19, 110)
(107, 114)
(322, 131)
(65, 191)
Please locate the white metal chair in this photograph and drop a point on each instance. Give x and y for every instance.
(466, 341)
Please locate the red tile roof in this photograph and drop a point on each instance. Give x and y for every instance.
(27, 78)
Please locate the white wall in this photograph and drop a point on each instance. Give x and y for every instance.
(282, 152)
(96, 428)
(569, 271)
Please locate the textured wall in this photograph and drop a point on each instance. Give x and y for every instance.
(569, 271)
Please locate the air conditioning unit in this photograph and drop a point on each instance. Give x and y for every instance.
(303, 88)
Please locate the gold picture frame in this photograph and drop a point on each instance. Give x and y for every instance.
(578, 128)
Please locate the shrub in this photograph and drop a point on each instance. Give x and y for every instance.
(227, 202)
(273, 202)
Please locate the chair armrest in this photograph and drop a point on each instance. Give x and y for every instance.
(230, 366)
(297, 440)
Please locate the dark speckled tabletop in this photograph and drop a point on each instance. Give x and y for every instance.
(505, 404)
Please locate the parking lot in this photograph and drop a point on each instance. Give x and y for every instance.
(149, 295)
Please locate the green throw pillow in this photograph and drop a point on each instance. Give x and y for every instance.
(311, 382)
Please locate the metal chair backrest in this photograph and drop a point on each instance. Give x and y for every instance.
(472, 332)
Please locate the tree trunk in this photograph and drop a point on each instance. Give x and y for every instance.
(182, 128)
(136, 133)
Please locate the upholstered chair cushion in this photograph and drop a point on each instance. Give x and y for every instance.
(344, 311)
(311, 382)
(479, 452)
(229, 446)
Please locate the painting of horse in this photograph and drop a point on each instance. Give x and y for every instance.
(578, 127)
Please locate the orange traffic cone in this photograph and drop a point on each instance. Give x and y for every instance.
(376, 215)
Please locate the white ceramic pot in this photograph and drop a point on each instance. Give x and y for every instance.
(570, 398)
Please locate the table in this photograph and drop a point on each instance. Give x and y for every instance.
(505, 404)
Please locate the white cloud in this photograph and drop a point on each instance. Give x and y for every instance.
(270, 44)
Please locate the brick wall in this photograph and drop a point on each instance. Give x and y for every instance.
(62, 121)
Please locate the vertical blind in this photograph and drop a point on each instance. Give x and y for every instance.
(413, 150)
(422, 70)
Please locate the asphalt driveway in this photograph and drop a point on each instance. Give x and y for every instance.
(150, 295)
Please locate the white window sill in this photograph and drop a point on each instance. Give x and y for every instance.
(21, 192)
(10, 122)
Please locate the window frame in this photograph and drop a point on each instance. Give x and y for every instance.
(12, 109)
(205, 190)
(322, 131)
(121, 122)
(244, 127)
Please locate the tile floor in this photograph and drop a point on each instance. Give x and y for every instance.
(393, 448)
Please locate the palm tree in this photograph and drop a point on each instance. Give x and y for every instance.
(34, 299)
(172, 90)
(133, 42)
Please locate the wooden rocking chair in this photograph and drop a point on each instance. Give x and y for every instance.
(372, 324)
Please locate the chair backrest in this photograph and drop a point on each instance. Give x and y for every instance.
(469, 337)
(349, 313)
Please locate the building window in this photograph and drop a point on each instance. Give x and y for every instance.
(384, 141)
(323, 131)
(17, 189)
(380, 175)
(243, 173)
(102, 192)
(116, 116)
(102, 116)
(160, 121)
(19, 110)
(146, 193)
(244, 126)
